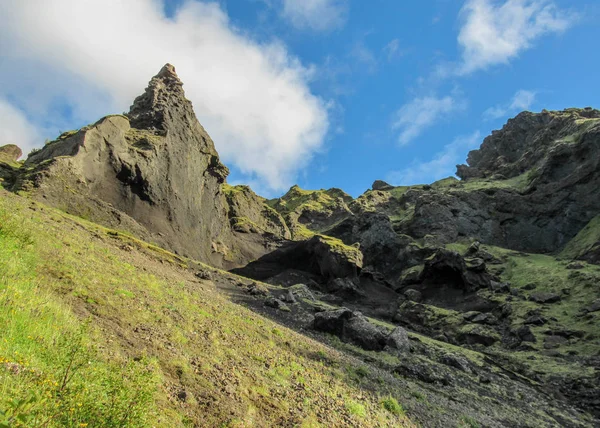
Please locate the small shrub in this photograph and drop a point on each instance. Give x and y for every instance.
(391, 405)
(356, 409)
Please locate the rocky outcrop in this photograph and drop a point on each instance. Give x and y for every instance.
(527, 188)
(529, 140)
(351, 327)
(155, 173)
(323, 257)
(249, 213)
(310, 211)
(10, 153)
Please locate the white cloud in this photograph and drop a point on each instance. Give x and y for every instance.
(496, 33)
(392, 49)
(441, 166)
(362, 55)
(522, 100)
(16, 129)
(421, 113)
(75, 61)
(316, 15)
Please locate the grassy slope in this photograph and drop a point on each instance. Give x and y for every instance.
(159, 347)
(578, 288)
(585, 240)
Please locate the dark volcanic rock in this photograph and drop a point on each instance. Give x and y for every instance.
(325, 257)
(478, 335)
(398, 342)
(276, 304)
(456, 362)
(594, 307)
(552, 159)
(544, 297)
(380, 185)
(449, 267)
(350, 327)
(413, 295)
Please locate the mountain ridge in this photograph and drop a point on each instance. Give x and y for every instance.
(457, 285)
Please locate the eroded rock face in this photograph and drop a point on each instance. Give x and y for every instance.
(552, 159)
(154, 172)
(248, 212)
(323, 257)
(526, 141)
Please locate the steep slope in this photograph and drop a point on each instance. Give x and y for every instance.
(527, 188)
(100, 329)
(112, 331)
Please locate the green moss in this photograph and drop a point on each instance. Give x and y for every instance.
(337, 245)
(586, 239)
(142, 139)
(298, 200)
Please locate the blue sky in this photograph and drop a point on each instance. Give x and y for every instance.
(323, 93)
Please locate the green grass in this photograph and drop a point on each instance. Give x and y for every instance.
(51, 374)
(585, 240)
(391, 405)
(356, 409)
(132, 328)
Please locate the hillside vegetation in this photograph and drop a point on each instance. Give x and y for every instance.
(100, 329)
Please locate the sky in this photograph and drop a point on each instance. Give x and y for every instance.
(319, 93)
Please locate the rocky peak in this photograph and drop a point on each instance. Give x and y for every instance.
(165, 92)
(381, 185)
(163, 108)
(10, 153)
(526, 140)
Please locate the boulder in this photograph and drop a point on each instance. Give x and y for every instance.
(301, 291)
(544, 297)
(500, 287)
(525, 334)
(457, 362)
(594, 307)
(485, 319)
(398, 342)
(276, 304)
(350, 327)
(477, 335)
(422, 372)
(535, 320)
(413, 295)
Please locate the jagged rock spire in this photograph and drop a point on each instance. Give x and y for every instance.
(162, 104)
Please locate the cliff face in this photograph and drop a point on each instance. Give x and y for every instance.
(154, 172)
(527, 188)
